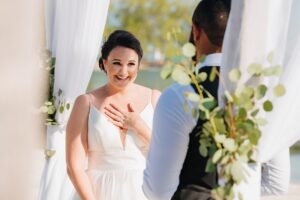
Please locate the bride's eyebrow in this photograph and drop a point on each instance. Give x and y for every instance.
(131, 61)
(116, 60)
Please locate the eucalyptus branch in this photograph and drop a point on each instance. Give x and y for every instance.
(233, 129)
(232, 126)
(230, 109)
(197, 85)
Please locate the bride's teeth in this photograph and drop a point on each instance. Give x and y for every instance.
(122, 77)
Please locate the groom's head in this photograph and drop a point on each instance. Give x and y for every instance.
(209, 24)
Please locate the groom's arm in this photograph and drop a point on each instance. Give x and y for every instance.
(168, 147)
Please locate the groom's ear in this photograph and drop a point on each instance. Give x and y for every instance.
(196, 33)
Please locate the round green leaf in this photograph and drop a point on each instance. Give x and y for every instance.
(220, 138)
(61, 109)
(51, 110)
(166, 71)
(53, 59)
(229, 144)
(220, 125)
(210, 166)
(248, 92)
(49, 153)
(255, 69)
(188, 50)
(242, 113)
(279, 90)
(202, 76)
(254, 137)
(254, 113)
(268, 106)
(273, 71)
(203, 150)
(217, 156)
(48, 103)
(234, 75)
(181, 77)
(261, 91)
(68, 106)
(225, 159)
(209, 103)
(237, 171)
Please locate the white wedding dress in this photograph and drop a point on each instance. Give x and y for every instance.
(116, 172)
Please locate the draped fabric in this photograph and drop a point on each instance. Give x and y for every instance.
(255, 30)
(74, 30)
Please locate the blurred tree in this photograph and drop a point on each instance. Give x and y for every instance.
(153, 22)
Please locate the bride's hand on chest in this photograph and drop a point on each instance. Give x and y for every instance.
(124, 119)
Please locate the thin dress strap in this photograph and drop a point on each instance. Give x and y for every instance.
(151, 97)
(90, 99)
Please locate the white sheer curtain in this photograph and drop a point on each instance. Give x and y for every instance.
(74, 31)
(255, 29)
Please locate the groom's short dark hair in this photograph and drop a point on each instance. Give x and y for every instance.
(211, 16)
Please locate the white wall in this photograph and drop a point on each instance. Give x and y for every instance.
(23, 86)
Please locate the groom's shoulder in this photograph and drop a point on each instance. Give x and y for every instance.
(179, 89)
(176, 92)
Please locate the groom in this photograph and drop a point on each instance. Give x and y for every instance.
(175, 170)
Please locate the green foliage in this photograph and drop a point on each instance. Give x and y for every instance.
(279, 90)
(50, 106)
(188, 50)
(213, 74)
(255, 69)
(181, 77)
(202, 76)
(261, 91)
(49, 153)
(229, 135)
(268, 106)
(234, 75)
(272, 71)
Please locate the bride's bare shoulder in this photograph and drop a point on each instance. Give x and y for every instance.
(153, 94)
(143, 89)
(82, 101)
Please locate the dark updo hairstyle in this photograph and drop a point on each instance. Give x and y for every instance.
(212, 16)
(120, 38)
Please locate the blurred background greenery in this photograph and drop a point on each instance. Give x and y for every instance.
(152, 22)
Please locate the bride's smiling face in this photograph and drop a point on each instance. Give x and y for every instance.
(121, 66)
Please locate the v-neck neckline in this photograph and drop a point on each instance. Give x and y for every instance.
(122, 144)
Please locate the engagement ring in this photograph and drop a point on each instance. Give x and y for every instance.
(120, 119)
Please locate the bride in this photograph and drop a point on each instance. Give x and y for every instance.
(110, 126)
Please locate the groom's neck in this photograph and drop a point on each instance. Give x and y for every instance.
(207, 52)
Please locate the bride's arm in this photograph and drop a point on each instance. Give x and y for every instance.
(141, 128)
(76, 148)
